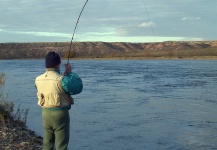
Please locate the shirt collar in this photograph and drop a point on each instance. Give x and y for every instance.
(53, 69)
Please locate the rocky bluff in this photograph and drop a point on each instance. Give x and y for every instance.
(97, 49)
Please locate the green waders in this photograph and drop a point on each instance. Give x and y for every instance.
(56, 129)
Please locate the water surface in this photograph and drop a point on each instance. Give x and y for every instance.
(130, 104)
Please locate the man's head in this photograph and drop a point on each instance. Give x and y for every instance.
(52, 60)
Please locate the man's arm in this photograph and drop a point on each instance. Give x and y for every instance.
(71, 82)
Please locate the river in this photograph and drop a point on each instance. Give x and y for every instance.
(129, 104)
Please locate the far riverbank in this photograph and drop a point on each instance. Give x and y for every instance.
(115, 50)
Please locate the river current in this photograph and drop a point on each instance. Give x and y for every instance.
(129, 104)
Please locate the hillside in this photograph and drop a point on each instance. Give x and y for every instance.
(108, 50)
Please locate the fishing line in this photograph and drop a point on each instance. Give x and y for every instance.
(149, 20)
(174, 103)
(75, 30)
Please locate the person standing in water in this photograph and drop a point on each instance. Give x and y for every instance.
(54, 96)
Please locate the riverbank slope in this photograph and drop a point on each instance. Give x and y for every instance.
(87, 50)
(16, 136)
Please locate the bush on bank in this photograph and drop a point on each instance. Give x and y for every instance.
(7, 107)
(13, 131)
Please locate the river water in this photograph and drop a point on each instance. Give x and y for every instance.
(130, 104)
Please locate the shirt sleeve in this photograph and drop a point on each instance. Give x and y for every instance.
(72, 83)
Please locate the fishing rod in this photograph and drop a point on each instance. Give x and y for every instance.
(75, 30)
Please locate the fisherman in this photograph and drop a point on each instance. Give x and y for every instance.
(53, 92)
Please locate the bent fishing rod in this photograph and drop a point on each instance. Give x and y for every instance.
(75, 30)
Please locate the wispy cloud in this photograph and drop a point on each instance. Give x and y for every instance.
(147, 24)
(115, 19)
(190, 18)
(34, 33)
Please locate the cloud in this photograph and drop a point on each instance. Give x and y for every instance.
(147, 24)
(190, 18)
(51, 34)
(193, 39)
(34, 33)
(114, 19)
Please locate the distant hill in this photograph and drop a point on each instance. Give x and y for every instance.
(105, 49)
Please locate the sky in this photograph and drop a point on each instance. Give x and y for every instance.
(108, 20)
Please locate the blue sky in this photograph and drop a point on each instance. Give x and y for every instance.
(108, 20)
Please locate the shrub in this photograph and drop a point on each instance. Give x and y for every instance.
(7, 107)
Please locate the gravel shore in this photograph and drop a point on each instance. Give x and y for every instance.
(15, 135)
